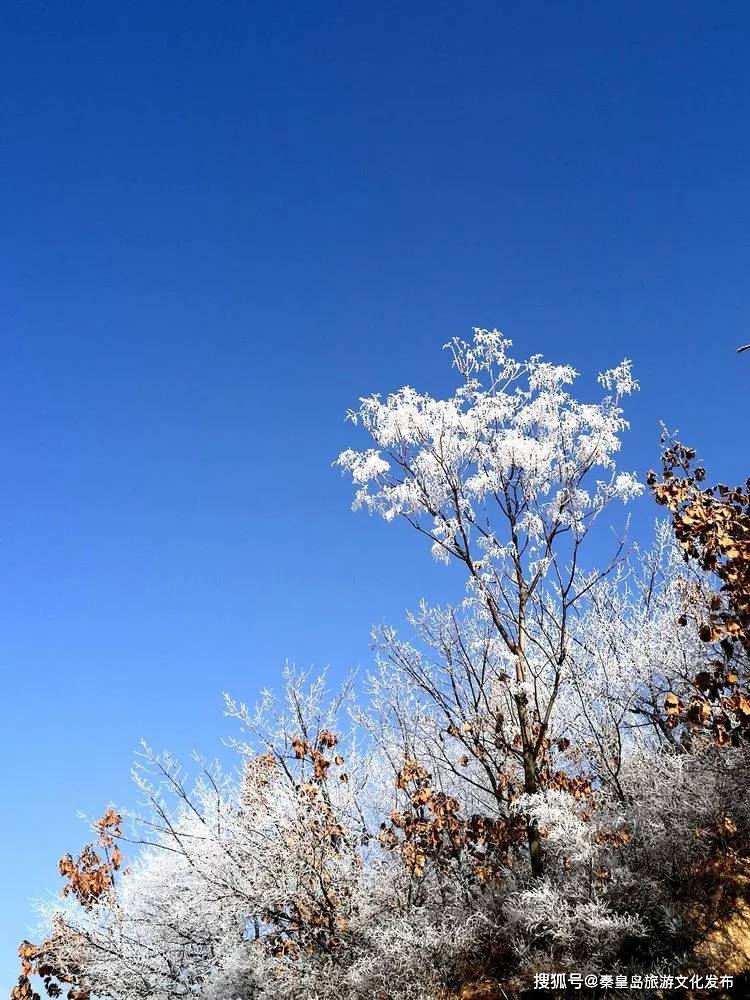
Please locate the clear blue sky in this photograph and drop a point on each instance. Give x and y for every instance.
(223, 222)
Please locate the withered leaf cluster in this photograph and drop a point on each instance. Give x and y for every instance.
(89, 878)
(432, 830)
(712, 525)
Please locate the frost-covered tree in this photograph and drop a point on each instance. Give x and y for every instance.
(551, 774)
(506, 477)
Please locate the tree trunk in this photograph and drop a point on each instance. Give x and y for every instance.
(530, 775)
(531, 786)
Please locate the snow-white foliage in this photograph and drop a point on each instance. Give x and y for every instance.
(537, 701)
(511, 435)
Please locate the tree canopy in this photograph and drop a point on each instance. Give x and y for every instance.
(551, 774)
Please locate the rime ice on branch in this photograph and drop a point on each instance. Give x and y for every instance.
(506, 477)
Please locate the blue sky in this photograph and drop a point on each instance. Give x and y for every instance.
(224, 222)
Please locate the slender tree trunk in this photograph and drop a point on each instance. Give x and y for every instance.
(530, 784)
(528, 746)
